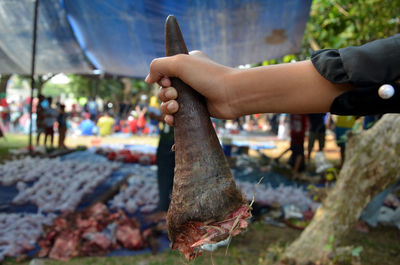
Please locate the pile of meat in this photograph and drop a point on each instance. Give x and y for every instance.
(128, 156)
(59, 185)
(20, 231)
(141, 193)
(95, 231)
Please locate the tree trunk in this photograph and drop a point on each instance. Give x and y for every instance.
(3, 83)
(371, 165)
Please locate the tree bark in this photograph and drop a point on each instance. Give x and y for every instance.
(371, 165)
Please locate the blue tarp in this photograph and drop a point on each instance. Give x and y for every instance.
(121, 37)
(57, 49)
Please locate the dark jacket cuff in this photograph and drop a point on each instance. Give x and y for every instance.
(362, 101)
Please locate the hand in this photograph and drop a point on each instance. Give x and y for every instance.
(198, 71)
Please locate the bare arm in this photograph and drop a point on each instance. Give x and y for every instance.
(230, 93)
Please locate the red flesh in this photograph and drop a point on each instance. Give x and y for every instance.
(195, 234)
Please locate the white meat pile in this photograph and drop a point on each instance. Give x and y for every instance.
(62, 184)
(19, 232)
(140, 194)
(282, 195)
(26, 170)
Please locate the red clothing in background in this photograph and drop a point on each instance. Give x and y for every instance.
(298, 124)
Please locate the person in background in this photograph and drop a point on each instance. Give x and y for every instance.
(343, 124)
(87, 125)
(141, 124)
(154, 108)
(92, 108)
(62, 125)
(298, 124)
(369, 121)
(105, 124)
(165, 162)
(50, 117)
(4, 111)
(40, 115)
(132, 122)
(316, 132)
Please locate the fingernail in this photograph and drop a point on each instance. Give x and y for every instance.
(164, 81)
(169, 93)
(171, 107)
(147, 77)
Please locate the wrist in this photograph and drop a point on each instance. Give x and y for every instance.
(232, 90)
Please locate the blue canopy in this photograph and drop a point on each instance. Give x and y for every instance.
(121, 37)
(57, 49)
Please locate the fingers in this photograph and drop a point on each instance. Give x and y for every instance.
(169, 107)
(162, 67)
(169, 119)
(166, 94)
(164, 82)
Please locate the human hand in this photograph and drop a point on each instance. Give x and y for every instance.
(202, 74)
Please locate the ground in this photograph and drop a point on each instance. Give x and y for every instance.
(380, 246)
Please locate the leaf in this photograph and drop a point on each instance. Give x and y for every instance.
(355, 252)
(328, 247)
(331, 239)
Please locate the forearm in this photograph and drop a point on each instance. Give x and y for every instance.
(285, 88)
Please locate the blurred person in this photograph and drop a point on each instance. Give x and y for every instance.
(165, 162)
(370, 121)
(274, 123)
(62, 125)
(283, 126)
(343, 124)
(4, 111)
(154, 108)
(87, 125)
(105, 124)
(50, 118)
(132, 122)
(124, 109)
(40, 117)
(92, 108)
(141, 125)
(15, 114)
(316, 132)
(298, 124)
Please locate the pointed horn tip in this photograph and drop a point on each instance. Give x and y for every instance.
(170, 18)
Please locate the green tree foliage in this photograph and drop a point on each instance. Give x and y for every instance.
(107, 88)
(91, 86)
(341, 23)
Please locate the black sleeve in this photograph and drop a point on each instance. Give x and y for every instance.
(367, 67)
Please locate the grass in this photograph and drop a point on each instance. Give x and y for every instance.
(12, 141)
(381, 246)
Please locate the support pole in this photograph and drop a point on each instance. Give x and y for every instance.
(35, 15)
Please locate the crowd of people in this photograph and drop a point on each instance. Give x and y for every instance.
(95, 118)
(85, 117)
